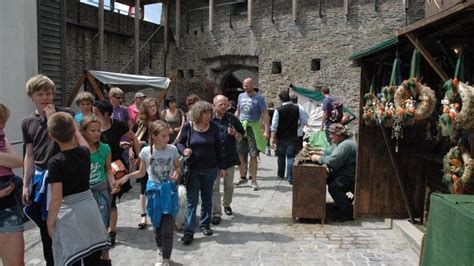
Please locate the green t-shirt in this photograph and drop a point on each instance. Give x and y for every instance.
(98, 159)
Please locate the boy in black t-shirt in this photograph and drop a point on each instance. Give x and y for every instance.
(74, 222)
(38, 149)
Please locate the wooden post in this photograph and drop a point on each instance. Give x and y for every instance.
(346, 7)
(76, 88)
(101, 35)
(166, 27)
(137, 35)
(429, 58)
(211, 15)
(178, 23)
(398, 177)
(295, 10)
(249, 13)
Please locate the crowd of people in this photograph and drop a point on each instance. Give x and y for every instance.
(78, 165)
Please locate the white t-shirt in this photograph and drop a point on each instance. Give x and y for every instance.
(161, 166)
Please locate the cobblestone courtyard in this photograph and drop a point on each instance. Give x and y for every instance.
(260, 232)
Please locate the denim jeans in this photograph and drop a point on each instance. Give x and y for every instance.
(286, 152)
(202, 180)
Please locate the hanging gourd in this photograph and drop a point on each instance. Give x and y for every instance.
(414, 101)
(457, 168)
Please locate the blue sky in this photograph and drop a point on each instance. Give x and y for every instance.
(152, 12)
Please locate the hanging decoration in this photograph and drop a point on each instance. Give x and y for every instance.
(385, 107)
(414, 101)
(458, 102)
(369, 109)
(457, 168)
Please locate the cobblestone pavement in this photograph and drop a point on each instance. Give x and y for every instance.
(260, 232)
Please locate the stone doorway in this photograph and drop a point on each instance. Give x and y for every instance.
(228, 72)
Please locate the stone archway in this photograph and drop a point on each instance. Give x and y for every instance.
(221, 68)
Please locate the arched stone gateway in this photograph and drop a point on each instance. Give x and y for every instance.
(227, 72)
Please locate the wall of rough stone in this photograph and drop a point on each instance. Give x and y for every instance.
(82, 43)
(330, 38)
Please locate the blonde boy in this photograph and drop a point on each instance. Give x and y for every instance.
(38, 149)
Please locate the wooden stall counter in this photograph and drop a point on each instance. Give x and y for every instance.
(309, 189)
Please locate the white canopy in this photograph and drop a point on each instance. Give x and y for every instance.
(130, 81)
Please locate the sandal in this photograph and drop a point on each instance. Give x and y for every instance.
(142, 225)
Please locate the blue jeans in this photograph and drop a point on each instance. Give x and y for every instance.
(286, 152)
(202, 180)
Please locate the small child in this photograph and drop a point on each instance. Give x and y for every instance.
(85, 101)
(101, 177)
(160, 160)
(74, 222)
(11, 219)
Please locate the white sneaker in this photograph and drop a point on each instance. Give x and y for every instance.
(159, 257)
(255, 187)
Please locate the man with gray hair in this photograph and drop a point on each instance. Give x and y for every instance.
(341, 161)
(230, 130)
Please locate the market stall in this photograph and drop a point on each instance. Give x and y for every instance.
(415, 109)
(99, 82)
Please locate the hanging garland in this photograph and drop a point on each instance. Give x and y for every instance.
(458, 103)
(457, 169)
(369, 109)
(414, 101)
(465, 117)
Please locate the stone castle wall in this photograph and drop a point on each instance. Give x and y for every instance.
(330, 38)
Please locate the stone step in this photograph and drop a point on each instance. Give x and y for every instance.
(413, 235)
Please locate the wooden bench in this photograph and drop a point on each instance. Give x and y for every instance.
(309, 189)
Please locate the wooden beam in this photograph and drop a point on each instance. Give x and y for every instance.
(398, 177)
(76, 89)
(211, 15)
(95, 87)
(426, 54)
(166, 26)
(178, 23)
(295, 10)
(137, 36)
(101, 34)
(346, 7)
(249, 12)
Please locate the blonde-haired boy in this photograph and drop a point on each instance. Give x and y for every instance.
(38, 149)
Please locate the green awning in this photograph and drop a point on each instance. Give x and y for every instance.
(379, 47)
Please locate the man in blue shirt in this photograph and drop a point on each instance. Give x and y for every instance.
(327, 110)
(251, 108)
(230, 130)
(341, 161)
(284, 130)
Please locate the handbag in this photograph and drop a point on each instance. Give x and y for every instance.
(118, 169)
(188, 161)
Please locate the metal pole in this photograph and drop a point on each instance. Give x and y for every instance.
(137, 35)
(101, 34)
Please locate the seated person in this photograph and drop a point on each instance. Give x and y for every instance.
(341, 162)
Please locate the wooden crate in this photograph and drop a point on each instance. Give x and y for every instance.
(309, 190)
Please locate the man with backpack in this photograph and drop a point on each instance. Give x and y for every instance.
(332, 111)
